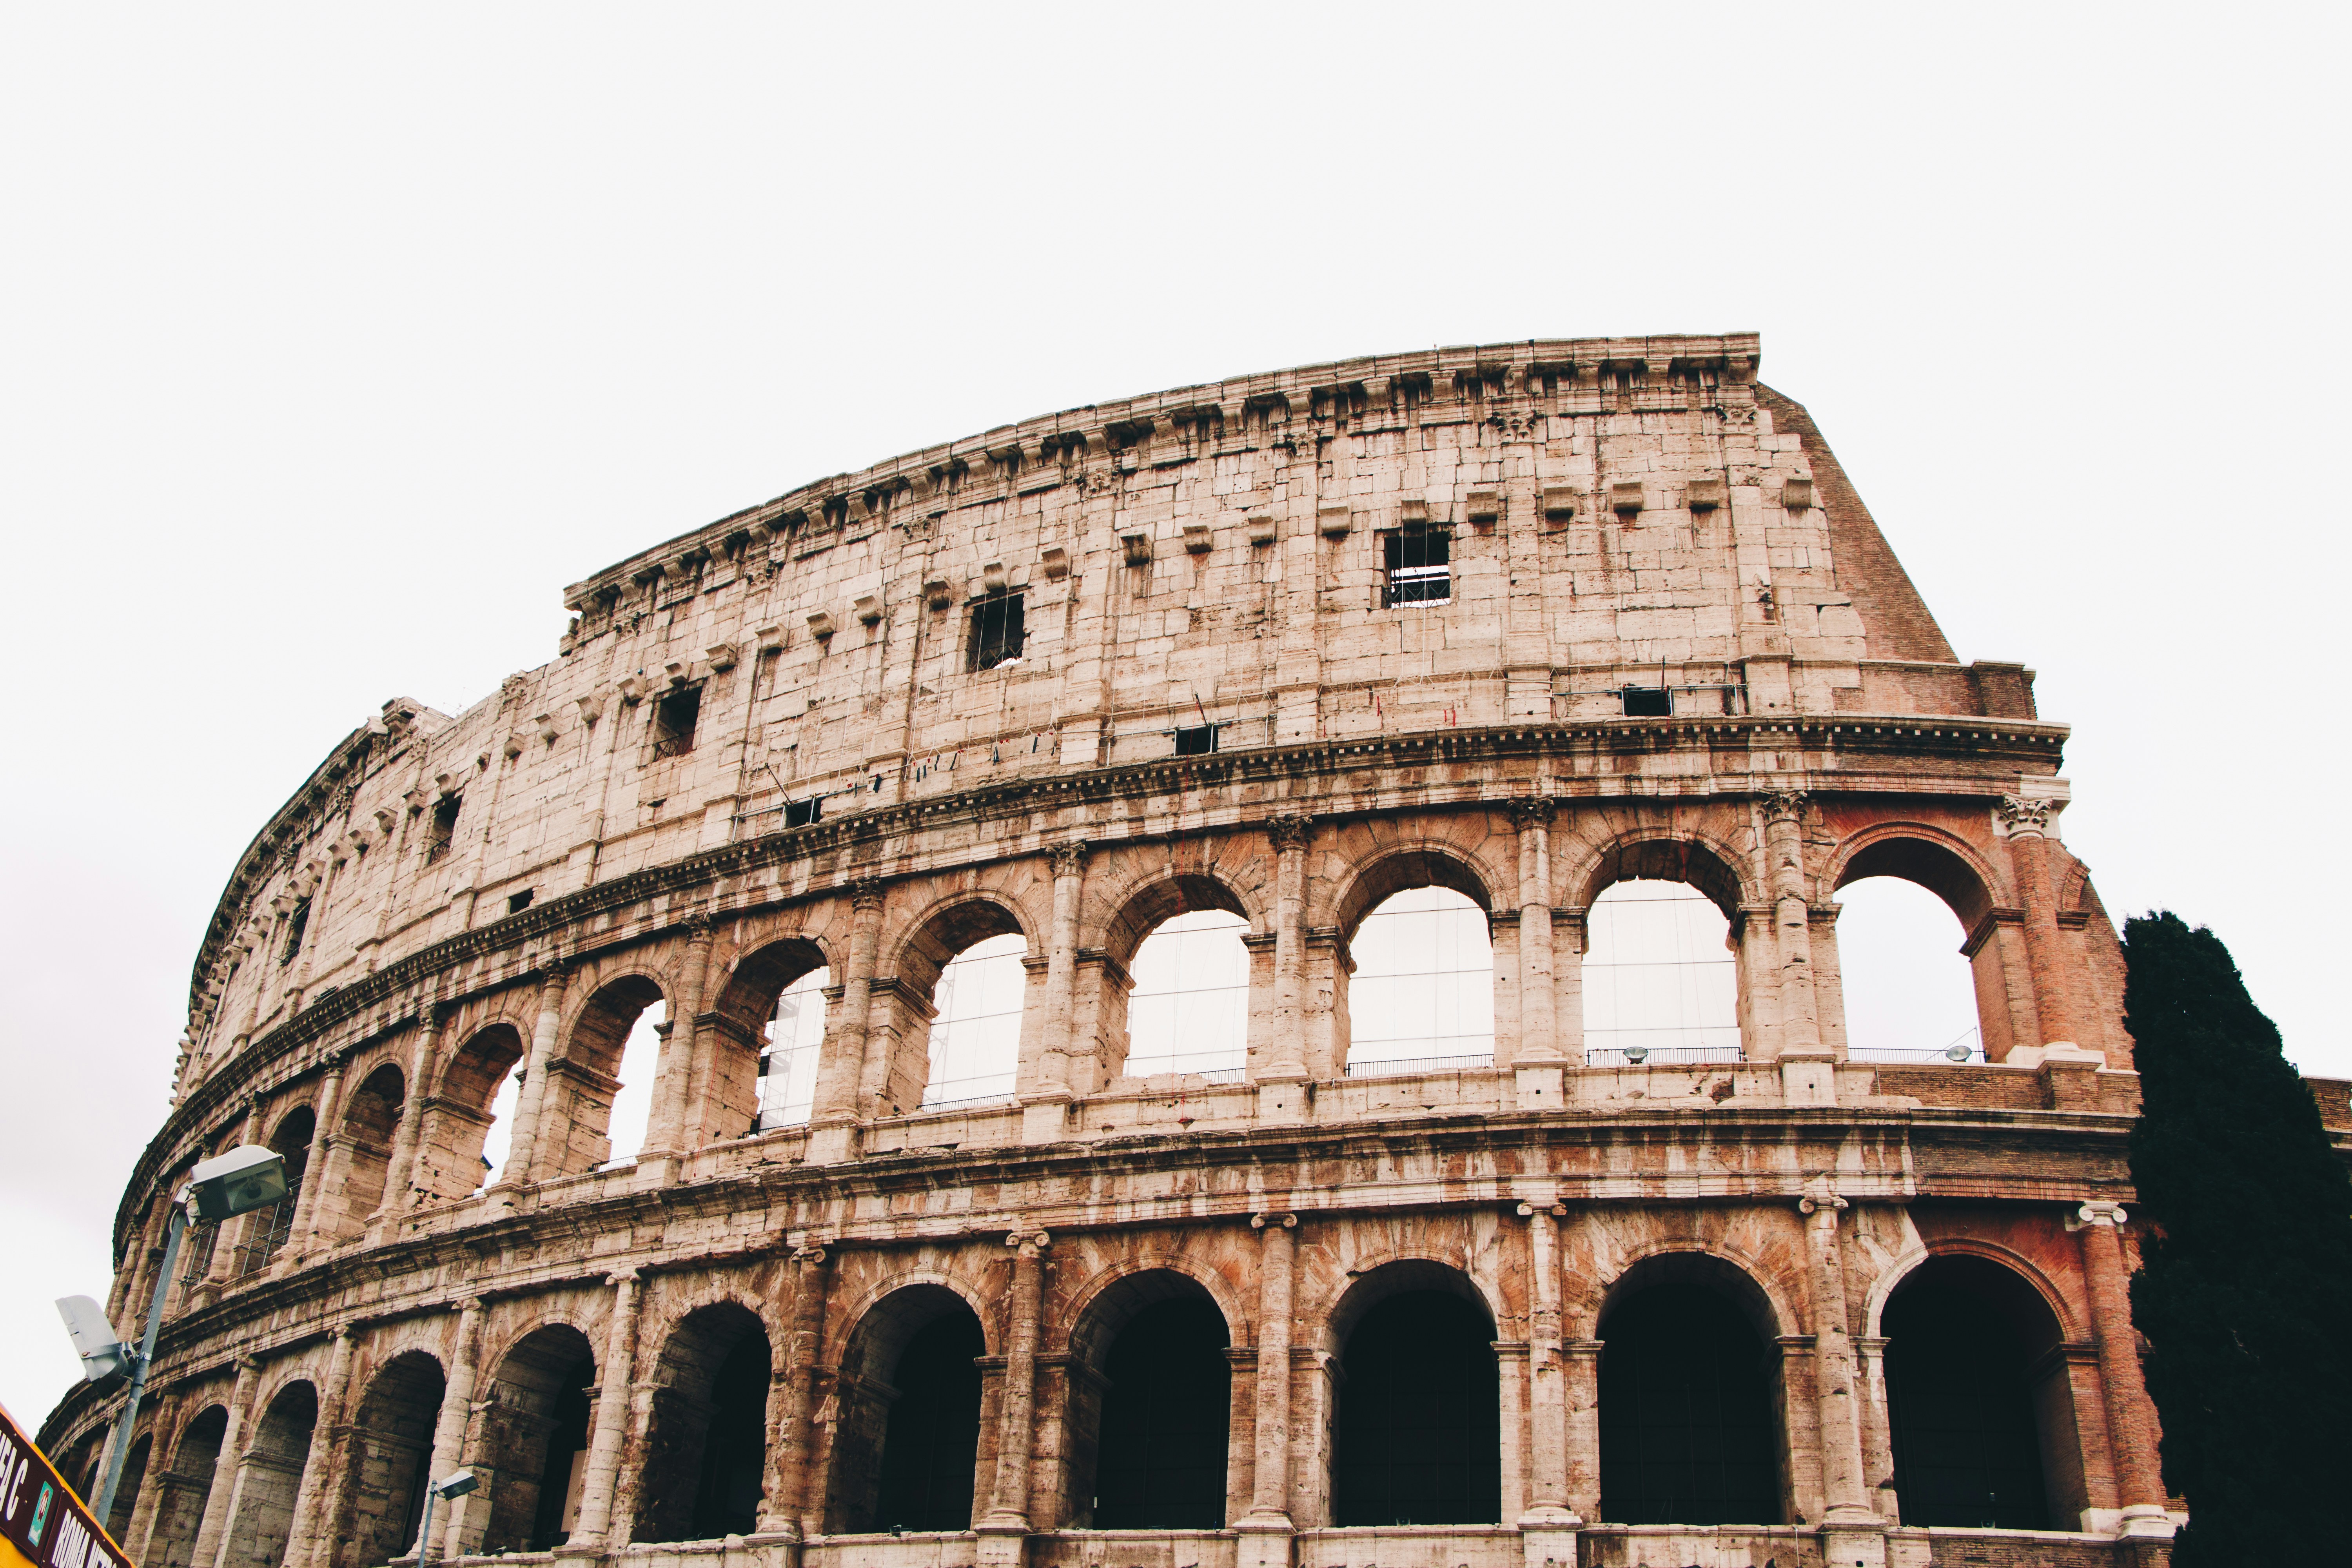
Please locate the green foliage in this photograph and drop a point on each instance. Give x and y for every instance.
(2244, 1292)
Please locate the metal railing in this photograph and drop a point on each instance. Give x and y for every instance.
(1962, 1049)
(1405, 1067)
(1662, 1055)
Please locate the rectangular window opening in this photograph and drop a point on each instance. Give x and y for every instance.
(674, 719)
(802, 813)
(443, 831)
(997, 632)
(518, 903)
(1419, 567)
(1648, 702)
(297, 925)
(1196, 740)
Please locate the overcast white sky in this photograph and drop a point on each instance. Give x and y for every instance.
(335, 340)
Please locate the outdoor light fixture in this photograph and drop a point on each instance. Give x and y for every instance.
(1958, 1050)
(1637, 1054)
(227, 1185)
(448, 1488)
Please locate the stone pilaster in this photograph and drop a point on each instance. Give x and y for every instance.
(303, 1233)
(2132, 1429)
(665, 1133)
(1006, 1522)
(2026, 823)
(1851, 1531)
(522, 1168)
(306, 1540)
(840, 1066)
(1265, 1530)
(449, 1428)
(1536, 1057)
(790, 1508)
(1548, 1529)
(1046, 1106)
(600, 1522)
(1283, 1078)
(1808, 1076)
(228, 1472)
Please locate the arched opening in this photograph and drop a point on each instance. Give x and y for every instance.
(1416, 1438)
(1661, 980)
(272, 1476)
(1688, 1399)
(1148, 1417)
(126, 1495)
(1188, 1012)
(795, 1038)
(764, 1034)
(534, 1442)
(1922, 970)
(905, 1442)
(707, 1449)
(607, 1088)
(186, 1488)
(391, 1458)
(1421, 996)
(371, 1121)
(975, 1040)
(270, 1228)
(467, 1130)
(1978, 1406)
(1910, 995)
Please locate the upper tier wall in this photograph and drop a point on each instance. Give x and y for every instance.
(1620, 511)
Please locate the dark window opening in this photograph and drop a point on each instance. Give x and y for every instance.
(442, 831)
(802, 813)
(1686, 1413)
(1648, 702)
(1961, 1402)
(1162, 1453)
(734, 1451)
(1417, 1436)
(674, 719)
(567, 1446)
(518, 903)
(297, 925)
(997, 631)
(1196, 740)
(931, 1436)
(1420, 568)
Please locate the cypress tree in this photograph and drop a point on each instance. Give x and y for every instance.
(2245, 1290)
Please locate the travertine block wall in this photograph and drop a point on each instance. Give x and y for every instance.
(1626, 512)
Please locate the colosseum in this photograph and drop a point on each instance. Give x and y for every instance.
(1053, 1003)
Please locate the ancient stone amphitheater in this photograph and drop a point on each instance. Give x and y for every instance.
(1083, 940)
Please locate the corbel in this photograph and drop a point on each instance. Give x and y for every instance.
(1797, 492)
(1625, 498)
(1198, 540)
(1484, 508)
(1559, 503)
(1137, 547)
(1261, 528)
(1056, 562)
(992, 577)
(820, 625)
(547, 727)
(868, 609)
(1334, 522)
(771, 638)
(938, 594)
(1412, 514)
(514, 744)
(1703, 493)
(722, 656)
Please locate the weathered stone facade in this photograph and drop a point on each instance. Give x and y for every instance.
(448, 898)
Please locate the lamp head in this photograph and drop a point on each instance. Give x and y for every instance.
(455, 1485)
(102, 1356)
(245, 1178)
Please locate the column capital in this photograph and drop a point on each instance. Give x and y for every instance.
(1070, 858)
(1029, 1243)
(1820, 1197)
(1289, 832)
(698, 926)
(619, 1277)
(2024, 816)
(865, 892)
(813, 1254)
(2098, 1211)
(1558, 1211)
(1784, 805)
(1533, 811)
(1278, 1221)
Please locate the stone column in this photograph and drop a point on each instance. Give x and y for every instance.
(302, 1235)
(1548, 1529)
(522, 1148)
(1265, 1530)
(1538, 1059)
(1808, 1075)
(1282, 1077)
(449, 1427)
(1016, 1410)
(599, 1526)
(2027, 824)
(1582, 1398)
(789, 1509)
(424, 1062)
(212, 1533)
(665, 1131)
(1877, 1440)
(1046, 1111)
(1852, 1531)
(1568, 936)
(305, 1539)
(2131, 1417)
(841, 1065)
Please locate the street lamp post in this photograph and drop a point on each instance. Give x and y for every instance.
(450, 1488)
(220, 1188)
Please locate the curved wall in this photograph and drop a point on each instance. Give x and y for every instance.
(1401, 603)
